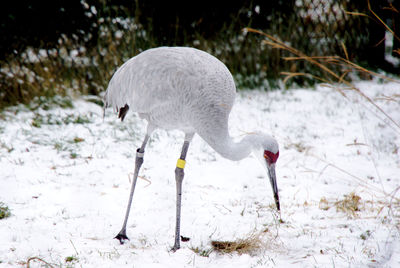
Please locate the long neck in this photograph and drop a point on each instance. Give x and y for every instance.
(223, 144)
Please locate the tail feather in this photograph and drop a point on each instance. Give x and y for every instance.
(117, 94)
(123, 111)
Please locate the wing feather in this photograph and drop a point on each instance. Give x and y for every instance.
(171, 78)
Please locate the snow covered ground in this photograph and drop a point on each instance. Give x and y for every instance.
(65, 175)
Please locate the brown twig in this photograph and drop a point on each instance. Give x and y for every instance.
(37, 259)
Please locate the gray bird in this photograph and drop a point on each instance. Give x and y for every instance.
(190, 90)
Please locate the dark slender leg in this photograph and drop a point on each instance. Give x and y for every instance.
(179, 174)
(121, 236)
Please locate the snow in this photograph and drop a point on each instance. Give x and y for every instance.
(67, 184)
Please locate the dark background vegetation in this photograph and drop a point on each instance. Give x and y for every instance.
(69, 46)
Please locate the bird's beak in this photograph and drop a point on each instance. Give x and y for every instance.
(272, 179)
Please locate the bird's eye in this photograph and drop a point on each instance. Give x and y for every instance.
(271, 157)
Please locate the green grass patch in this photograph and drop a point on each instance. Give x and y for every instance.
(51, 119)
(47, 103)
(4, 211)
(71, 259)
(365, 235)
(203, 252)
(59, 146)
(6, 147)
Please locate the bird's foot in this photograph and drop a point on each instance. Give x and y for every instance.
(175, 248)
(121, 236)
(177, 244)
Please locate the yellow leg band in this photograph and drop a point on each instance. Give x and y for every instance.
(181, 163)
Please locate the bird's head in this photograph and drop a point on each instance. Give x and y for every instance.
(267, 151)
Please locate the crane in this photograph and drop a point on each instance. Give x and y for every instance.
(190, 90)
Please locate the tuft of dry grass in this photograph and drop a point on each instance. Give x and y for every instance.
(249, 245)
(350, 204)
(324, 204)
(299, 146)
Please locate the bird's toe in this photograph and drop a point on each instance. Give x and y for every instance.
(122, 238)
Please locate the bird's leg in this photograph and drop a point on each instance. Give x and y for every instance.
(179, 174)
(121, 236)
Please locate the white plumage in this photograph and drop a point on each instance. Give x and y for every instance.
(190, 90)
(175, 88)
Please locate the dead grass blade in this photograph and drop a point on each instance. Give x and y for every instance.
(357, 14)
(345, 50)
(289, 75)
